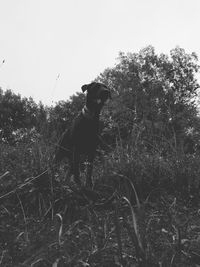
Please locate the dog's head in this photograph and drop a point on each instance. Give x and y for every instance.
(97, 95)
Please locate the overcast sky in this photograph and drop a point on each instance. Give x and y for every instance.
(52, 47)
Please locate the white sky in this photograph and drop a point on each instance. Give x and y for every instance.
(78, 39)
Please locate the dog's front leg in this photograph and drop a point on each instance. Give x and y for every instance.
(76, 167)
(89, 171)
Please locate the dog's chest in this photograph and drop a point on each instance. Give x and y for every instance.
(85, 133)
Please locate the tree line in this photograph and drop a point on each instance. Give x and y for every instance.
(153, 96)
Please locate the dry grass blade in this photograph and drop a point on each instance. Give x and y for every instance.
(2, 256)
(29, 181)
(55, 264)
(132, 186)
(136, 235)
(134, 220)
(24, 215)
(118, 231)
(60, 229)
(172, 263)
(36, 262)
(3, 175)
(19, 235)
(178, 246)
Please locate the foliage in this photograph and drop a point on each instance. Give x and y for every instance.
(144, 207)
(18, 115)
(154, 92)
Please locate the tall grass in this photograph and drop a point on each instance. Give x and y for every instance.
(122, 222)
(156, 168)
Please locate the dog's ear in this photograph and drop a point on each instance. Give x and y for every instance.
(84, 87)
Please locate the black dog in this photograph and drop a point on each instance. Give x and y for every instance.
(83, 137)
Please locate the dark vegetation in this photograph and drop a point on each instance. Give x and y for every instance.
(144, 209)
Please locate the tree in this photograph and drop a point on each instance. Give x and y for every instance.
(16, 114)
(153, 92)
